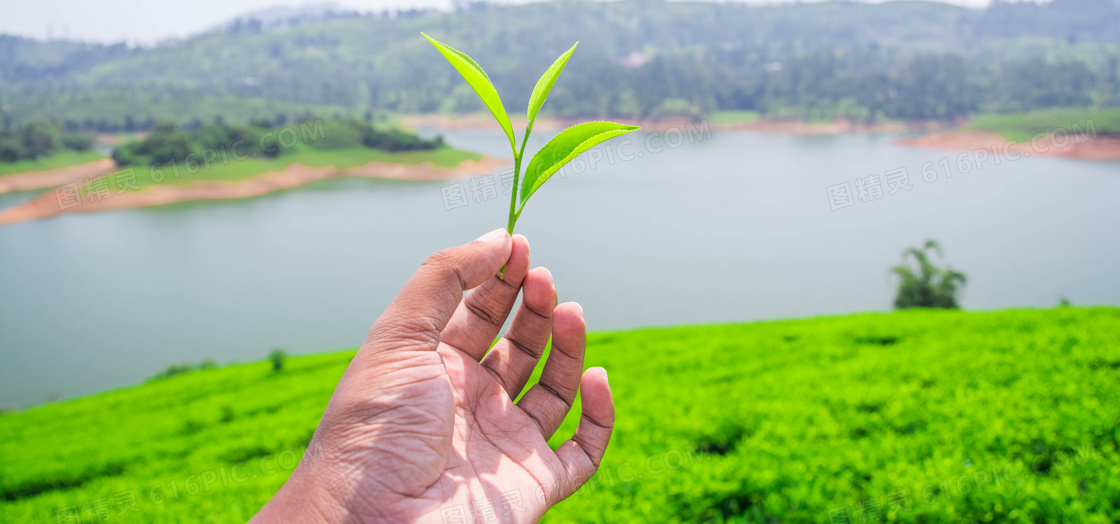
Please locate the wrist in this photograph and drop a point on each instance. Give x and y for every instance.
(307, 496)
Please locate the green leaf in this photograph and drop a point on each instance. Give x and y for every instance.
(567, 145)
(544, 85)
(480, 82)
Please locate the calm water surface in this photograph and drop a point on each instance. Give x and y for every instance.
(732, 228)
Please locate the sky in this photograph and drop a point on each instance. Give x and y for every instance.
(147, 22)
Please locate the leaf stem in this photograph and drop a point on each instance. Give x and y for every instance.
(514, 213)
(517, 156)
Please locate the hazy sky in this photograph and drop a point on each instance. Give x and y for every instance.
(153, 20)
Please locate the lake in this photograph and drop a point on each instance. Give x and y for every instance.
(731, 227)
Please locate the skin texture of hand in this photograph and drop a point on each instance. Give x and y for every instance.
(425, 425)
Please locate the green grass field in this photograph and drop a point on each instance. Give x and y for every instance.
(229, 169)
(1021, 127)
(60, 159)
(733, 117)
(917, 416)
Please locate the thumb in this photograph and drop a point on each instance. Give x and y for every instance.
(428, 299)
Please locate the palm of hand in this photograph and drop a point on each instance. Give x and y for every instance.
(416, 434)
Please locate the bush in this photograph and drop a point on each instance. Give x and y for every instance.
(341, 134)
(182, 369)
(76, 141)
(277, 358)
(11, 149)
(168, 144)
(927, 285)
(39, 139)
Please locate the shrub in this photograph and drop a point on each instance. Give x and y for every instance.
(926, 285)
(11, 149)
(76, 141)
(181, 369)
(396, 140)
(277, 358)
(39, 139)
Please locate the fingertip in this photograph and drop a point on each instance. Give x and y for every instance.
(498, 242)
(496, 235)
(540, 277)
(517, 265)
(572, 308)
(520, 239)
(596, 379)
(485, 256)
(539, 291)
(568, 320)
(598, 402)
(570, 311)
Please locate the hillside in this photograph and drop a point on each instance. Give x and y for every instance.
(918, 416)
(809, 61)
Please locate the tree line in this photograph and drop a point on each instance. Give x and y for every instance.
(644, 58)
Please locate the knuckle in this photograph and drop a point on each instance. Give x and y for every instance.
(444, 264)
(440, 261)
(397, 331)
(485, 310)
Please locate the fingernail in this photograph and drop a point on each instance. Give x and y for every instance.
(580, 308)
(497, 234)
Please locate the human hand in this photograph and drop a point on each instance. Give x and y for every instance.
(424, 420)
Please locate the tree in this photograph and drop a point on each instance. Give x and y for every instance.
(39, 139)
(926, 285)
(277, 358)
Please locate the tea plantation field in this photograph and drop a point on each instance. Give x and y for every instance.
(917, 416)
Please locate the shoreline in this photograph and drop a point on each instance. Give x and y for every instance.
(478, 121)
(1099, 148)
(48, 204)
(33, 180)
(936, 135)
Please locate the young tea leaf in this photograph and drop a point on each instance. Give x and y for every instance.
(544, 85)
(480, 82)
(563, 148)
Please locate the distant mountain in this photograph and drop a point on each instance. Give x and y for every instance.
(896, 60)
(26, 60)
(285, 17)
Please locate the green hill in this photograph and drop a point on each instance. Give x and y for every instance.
(918, 416)
(902, 60)
(1023, 127)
